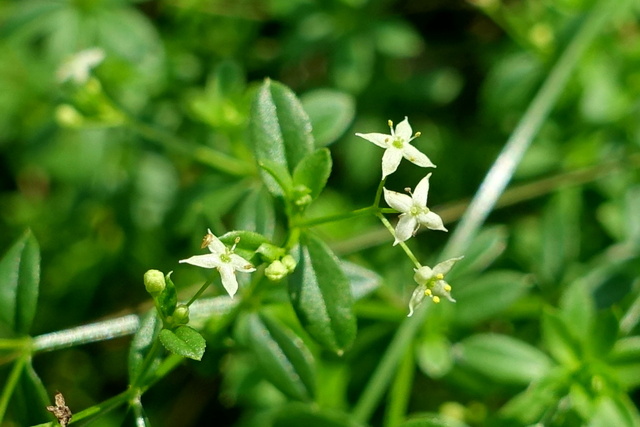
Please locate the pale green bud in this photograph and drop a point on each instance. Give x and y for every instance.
(154, 282)
(181, 314)
(276, 271)
(289, 262)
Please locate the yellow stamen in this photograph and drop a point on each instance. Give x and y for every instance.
(390, 123)
(417, 134)
(447, 287)
(436, 299)
(439, 276)
(427, 292)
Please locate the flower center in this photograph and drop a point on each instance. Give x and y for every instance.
(417, 210)
(398, 142)
(225, 257)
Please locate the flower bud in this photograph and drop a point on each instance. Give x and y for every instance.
(423, 275)
(154, 282)
(276, 271)
(181, 315)
(289, 262)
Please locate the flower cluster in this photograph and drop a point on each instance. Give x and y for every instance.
(413, 208)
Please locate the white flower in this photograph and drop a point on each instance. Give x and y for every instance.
(431, 284)
(77, 67)
(414, 211)
(397, 146)
(224, 260)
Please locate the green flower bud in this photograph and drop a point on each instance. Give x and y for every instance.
(154, 282)
(181, 315)
(276, 271)
(289, 262)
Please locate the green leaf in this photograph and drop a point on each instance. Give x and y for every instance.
(299, 415)
(280, 128)
(248, 242)
(625, 360)
(257, 213)
(313, 171)
(141, 344)
(503, 358)
(184, 341)
(30, 398)
(434, 355)
(19, 282)
(167, 300)
(483, 251)
(282, 356)
(278, 179)
(558, 339)
(603, 334)
(488, 295)
(321, 296)
(612, 412)
(577, 308)
(363, 281)
(330, 111)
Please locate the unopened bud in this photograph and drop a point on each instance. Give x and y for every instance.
(154, 282)
(181, 314)
(276, 271)
(289, 262)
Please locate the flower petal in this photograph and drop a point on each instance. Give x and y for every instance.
(403, 130)
(416, 299)
(439, 289)
(390, 161)
(405, 228)
(422, 191)
(380, 139)
(204, 261)
(398, 201)
(432, 221)
(444, 267)
(229, 280)
(416, 156)
(240, 264)
(215, 245)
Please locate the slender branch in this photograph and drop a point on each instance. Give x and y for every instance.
(403, 245)
(10, 385)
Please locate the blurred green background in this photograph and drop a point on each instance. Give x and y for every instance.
(108, 199)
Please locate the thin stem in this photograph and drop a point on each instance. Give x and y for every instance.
(511, 155)
(403, 245)
(337, 217)
(488, 193)
(11, 383)
(376, 201)
(205, 155)
(200, 291)
(400, 392)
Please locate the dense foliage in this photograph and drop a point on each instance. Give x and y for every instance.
(131, 129)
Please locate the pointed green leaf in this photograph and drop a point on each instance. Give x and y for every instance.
(558, 339)
(488, 295)
(257, 213)
(280, 128)
(19, 282)
(321, 296)
(313, 171)
(331, 113)
(503, 358)
(277, 179)
(282, 356)
(184, 341)
(625, 359)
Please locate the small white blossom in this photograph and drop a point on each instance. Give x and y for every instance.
(414, 211)
(77, 67)
(397, 145)
(224, 260)
(431, 284)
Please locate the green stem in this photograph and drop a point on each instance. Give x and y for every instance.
(11, 383)
(200, 291)
(138, 381)
(202, 154)
(400, 392)
(403, 245)
(376, 200)
(337, 217)
(488, 193)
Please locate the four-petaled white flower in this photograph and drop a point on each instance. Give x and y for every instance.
(224, 260)
(431, 284)
(76, 68)
(397, 145)
(414, 211)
